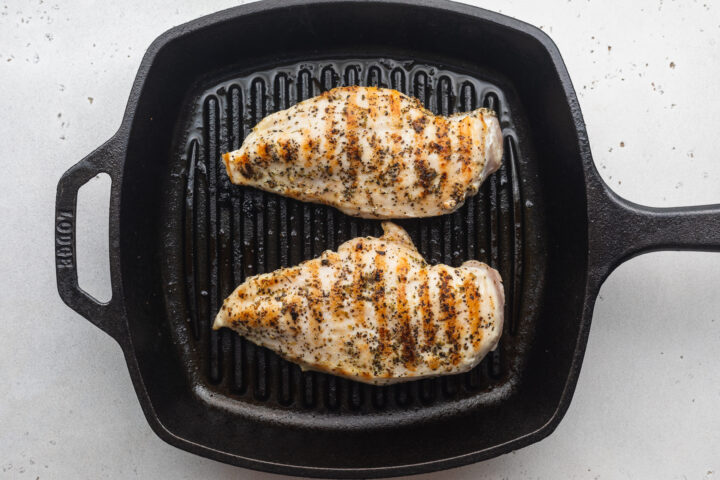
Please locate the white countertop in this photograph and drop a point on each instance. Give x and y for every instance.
(646, 405)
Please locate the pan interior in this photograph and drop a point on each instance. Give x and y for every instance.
(230, 233)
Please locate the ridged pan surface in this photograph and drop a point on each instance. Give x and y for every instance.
(232, 232)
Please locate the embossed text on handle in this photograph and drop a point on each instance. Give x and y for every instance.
(64, 229)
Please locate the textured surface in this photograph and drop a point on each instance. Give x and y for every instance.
(640, 390)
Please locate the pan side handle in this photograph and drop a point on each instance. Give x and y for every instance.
(619, 230)
(107, 316)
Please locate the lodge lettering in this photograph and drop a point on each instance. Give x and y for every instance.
(64, 240)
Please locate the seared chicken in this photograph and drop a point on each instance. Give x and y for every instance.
(374, 311)
(370, 152)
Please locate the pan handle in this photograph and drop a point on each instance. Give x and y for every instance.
(106, 316)
(620, 230)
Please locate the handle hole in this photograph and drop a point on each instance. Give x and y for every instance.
(92, 237)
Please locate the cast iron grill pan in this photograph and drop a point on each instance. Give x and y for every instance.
(181, 237)
(232, 232)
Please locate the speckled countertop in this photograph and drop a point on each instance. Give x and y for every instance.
(646, 405)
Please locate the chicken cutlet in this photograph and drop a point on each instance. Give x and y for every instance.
(374, 311)
(370, 152)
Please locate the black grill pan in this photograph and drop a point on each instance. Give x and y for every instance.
(182, 237)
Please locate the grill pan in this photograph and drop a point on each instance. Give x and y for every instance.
(181, 237)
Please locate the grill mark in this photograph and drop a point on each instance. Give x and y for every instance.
(314, 296)
(308, 148)
(483, 137)
(424, 174)
(395, 148)
(244, 318)
(352, 147)
(287, 150)
(472, 298)
(372, 99)
(338, 293)
(243, 165)
(395, 116)
(384, 349)
(265, 283)
(262, 149)
(397, 162)
(275, 279)
(443, 147)
(407, 338)
(427, 317)
(268, 318)
(465, 148)
(376, 145)
(358, 294)
(292, 309)
(331, 134)
(448, 314)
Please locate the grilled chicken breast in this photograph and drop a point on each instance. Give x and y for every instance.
(370, 152)
(374, 311)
